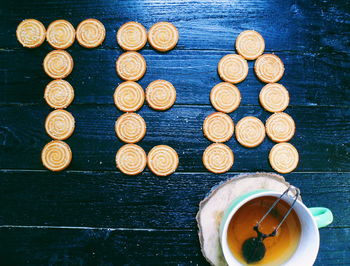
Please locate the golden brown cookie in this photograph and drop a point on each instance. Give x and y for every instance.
(90, 33)
(56, 155)
(132, 36)
(129, 96)
(131, 66)
(250, 131)
(280, 127)
(163, 36)
(233, 68)
(162, 160)
(274, 97)
(60, 34)
(284, 158)
(60, 124)
(59, 94)
(218, 127)
(131, 159)
(218, 158)
(160, 95)
(130, 127)
(31, 33)
(225, 97)
(269, 68)
(250, 44)
(58, 64)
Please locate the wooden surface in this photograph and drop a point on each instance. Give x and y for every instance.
(92, 214)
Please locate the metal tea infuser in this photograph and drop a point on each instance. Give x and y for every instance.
(253, 248)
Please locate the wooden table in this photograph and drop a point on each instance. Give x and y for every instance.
(91, 214)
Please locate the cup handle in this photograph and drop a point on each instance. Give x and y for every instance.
(322, 216)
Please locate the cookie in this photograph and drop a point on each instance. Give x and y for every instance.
(233, 68)
(284, 158)
(90, 33)
(131, 66)
(59, 94)
(129, 96)
(160, 95)
(225, 97)
(163, 36)
(274, 97)
(56, 155)
(218, 158)
(162, 160)
(31, 33)
(58, 64)
(132, 36)
(218, 127)
(280, 127)
(269, 68)
(130, 127)
(250, 44)
(60, 34)
(250, 131)
(60, 124)
(131, 159)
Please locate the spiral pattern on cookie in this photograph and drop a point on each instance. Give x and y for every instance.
(59, 94)
(131, 66)
(162, 160)
(274, 97)
(56, 155)
(233, 68)
(284, 158)
(280, 127)
(31, 33)
(250, 44)
(225, 97)
(60, 124)
(131, 159)
(132, 36)
(218, 127)
(60, 34)
(250, 131)
(218, 158)
(269, 68)
(129, 96)
(130, 127)
(58, 64)
(160, 95)
(163, 36)
(90, 33)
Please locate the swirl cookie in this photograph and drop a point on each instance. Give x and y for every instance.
(90, 33)
(60, 124)
(250, 131)
(218, 158)
(160, 95)
(225, 97)
(163, 36)
(59, 94)
(233, 68)
(31, 33)
(131, 66)
(56, 155)
(274, 97)
(129, 96)
(162, 160)
(269, 68)
(132, 36)
(280, 127)
(130, 127)
(218, 127)
(284, 158)
(131, 159)
(60, 34)
(250, 44)
(58, 64)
